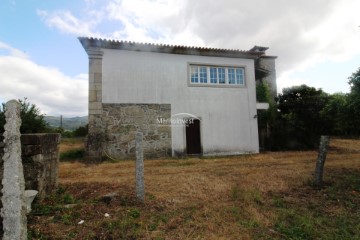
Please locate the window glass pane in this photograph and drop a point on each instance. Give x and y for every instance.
(194, 70)
(203, 75)
(213, 75)
(240, 76)
(231, 75)
(217, 75)
(221, 72)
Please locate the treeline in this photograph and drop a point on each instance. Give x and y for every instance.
(81, 131)
(300, 114)
(32, 121)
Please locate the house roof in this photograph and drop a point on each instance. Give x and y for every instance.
(90, 44)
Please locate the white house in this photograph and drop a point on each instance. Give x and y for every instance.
(185, 100)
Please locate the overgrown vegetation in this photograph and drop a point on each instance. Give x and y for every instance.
(75, 154)
(353, 103)
(72, 149)
(300, 122)
(81, 131)
(32, 121)
(302, 113)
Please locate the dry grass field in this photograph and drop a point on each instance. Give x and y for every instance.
(68, 144)
(263, 196)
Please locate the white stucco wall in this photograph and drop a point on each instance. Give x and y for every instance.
(227, 114)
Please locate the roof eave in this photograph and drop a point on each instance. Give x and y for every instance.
(94, 43)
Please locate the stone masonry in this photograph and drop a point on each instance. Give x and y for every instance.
(95, 138)
(13, 209)
(139, 168)
(122, 121)
(40, 158)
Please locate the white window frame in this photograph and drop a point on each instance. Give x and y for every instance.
(208, 82)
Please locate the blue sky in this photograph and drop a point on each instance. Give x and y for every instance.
(22, 28)
(317, 41)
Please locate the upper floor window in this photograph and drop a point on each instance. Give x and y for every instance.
(214, 75)
(203, 74)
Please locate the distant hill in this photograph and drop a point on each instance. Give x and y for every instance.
(67, 123)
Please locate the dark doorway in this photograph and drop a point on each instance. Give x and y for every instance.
(193, 142)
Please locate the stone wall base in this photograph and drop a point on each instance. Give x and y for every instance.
(122, 121)
(40, 159)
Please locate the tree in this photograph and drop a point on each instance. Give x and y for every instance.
(32, 121)
(336, 114)
(263, 95)
(354, 81)
(300, 117)
(354, 102)
(81, 131)
(267, 117)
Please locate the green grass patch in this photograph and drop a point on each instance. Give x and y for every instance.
(331, 212)
(54, 203)
(301, 224)
(296, 225)
(72, 154)
(35, 234)
(246, 196)
(125, 226)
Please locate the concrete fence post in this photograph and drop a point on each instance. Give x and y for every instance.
(140, 186)
(324, 143)
(13, 198)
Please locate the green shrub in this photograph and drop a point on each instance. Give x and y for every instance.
(72, 154)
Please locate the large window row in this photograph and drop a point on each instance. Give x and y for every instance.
(214, 75)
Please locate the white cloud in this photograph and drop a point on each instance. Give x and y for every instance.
(155, 19)
(302, 33)
(12, 51)
(66, 22)
(52, 91)
(283, 81)
(339, 35)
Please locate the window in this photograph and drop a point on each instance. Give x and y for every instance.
(222, 75)
(194, 74)
(231, 75)
(213, 75)
(240, 76)
(203, 75)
